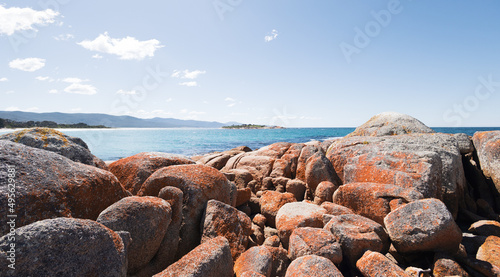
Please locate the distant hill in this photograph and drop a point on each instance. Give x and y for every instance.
(109, 120)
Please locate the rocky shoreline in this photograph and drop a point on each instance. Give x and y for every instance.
(393, 198)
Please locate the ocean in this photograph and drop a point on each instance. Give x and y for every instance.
(113, 144)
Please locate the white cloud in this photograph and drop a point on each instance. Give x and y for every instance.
(79, 88)
(22, 19)
(186, 74)
(3, 79)
(126, 92)
(75, 110)
(64, 37)
(73, 80)
(189, 84)
(272, 36)
(28, 64)
(53, 91)
(32, 109)
(232, 100)
(97, 56)
(169, 100)
(44, 78)
(10, 92)
(12, 109)
(127, 48)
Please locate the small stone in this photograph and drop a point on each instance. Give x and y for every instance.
(209, 259)
(485, 228)
(146, 219)
(312, 266)
(271, 202)
(257, 259)
(297, 188)
(297, 214)
(357, 234)
(324, 192)
(423, 225)
(374, 264)
(223, 220)
(314, 241)
(490, 251)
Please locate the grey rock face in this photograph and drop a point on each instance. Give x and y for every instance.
(49, 185)
(66, 247)
(49, 139)
(391, 123)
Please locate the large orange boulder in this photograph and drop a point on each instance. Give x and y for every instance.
(146, 219)
(335, 209)
(357, 234)
(319, 169)
(314, 241)
(295, 215)
(374, 264)
(209, 259)
(420, 171)
(223, 220)
(133, 171)
(374, 200)
(166, 254)
(48, 185)
(199, 183)
(256, 259)
(488, 150)
(423, 225)
(429, 163)
(312, 266)
(270, 203)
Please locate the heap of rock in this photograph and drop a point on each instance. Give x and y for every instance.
(393, 198)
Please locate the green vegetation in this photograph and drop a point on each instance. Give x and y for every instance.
(7, 123)
(251, 126)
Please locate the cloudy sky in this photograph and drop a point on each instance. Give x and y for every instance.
(321, 63)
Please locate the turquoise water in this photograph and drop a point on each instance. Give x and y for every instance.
(113, 144)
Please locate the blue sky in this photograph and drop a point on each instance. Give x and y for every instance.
(289, 63)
